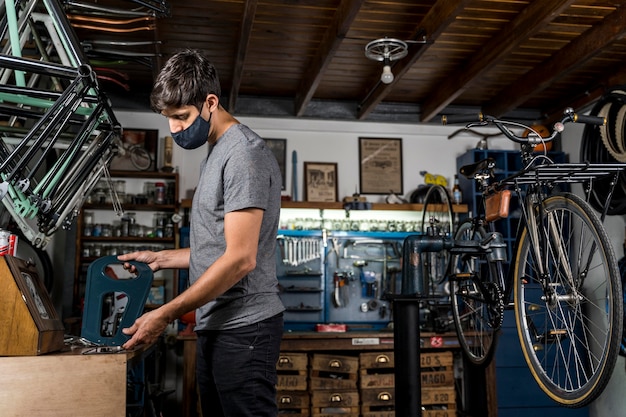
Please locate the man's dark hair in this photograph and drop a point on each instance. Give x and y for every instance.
(186, 79)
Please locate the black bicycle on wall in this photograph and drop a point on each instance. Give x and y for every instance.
(563, 281)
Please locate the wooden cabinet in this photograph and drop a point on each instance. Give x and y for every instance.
(358, 366)
(148, 220)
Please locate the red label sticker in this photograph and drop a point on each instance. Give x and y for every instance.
(436, 341)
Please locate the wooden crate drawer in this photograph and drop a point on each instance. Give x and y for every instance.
(289, 362)
(441, 396)
(449, 411)
(334, 402)
(292, 382)
(437, 359)
(438, 396)
(335, 363)
(373, 411)
(384, 360)
(378, 397)
(367, 411)
(369, 381)
(293, 402)
(323, 383)
(376, 360)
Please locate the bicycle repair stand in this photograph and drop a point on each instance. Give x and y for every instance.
(406, 312)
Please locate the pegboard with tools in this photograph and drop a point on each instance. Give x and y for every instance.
(360, 270)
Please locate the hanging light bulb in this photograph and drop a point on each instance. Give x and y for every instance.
(387, 76)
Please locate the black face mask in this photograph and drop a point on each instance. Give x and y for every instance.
(196, 135)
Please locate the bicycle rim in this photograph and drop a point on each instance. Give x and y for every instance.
(438, 209)
(570, 334)
(474, 316)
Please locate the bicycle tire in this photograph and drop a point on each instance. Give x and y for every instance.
(477, 320)
(573, 359)
(438, 206)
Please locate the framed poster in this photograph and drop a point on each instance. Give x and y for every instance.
(380, 166)
(137, 151)
(320, 181)
(279, 149)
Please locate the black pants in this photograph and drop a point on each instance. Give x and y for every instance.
(236, 369)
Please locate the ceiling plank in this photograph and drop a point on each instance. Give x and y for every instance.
(535, 16)
(438, 18)
(575, 54)
(242, 50)
(345, 15)
(581, 99)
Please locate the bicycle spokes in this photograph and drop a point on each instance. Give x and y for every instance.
(567, 312)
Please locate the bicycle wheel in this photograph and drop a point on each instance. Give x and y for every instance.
(570, 326)
(437, 213)
(476, 298)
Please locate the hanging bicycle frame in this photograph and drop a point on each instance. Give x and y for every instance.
(56, 126)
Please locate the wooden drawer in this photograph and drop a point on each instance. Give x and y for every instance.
(292, 371)
(376, 360)
(292, 382)
(382, 398)
(289, 362)
(377, 369)
(372, 361)
(441, 396)
(293, 402)
(437, 359)
(335, 363)
(330, 403)
(373, 411)
(323, 383)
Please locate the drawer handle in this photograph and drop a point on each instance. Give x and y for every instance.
(336, 398)
(286, 399)
(384, 396)
(284, 360)
(334, 363)
(382, 359)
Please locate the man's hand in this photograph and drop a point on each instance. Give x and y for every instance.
(146, 329)
(145, 256)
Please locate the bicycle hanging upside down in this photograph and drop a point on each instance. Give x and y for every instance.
(563, 280)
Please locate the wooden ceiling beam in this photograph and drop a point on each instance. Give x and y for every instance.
(242, 50)
(582, 98)
(572, 56)
(528, 22)
(335, 34)
(436, 21)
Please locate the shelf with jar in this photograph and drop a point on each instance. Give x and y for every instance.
(146, 220)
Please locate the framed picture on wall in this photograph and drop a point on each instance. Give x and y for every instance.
(279, 149)
(380, 166)
(320, 181)
(137, 151)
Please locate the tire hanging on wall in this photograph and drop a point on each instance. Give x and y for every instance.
(607, 144)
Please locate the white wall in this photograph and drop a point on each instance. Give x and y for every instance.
(424, 147)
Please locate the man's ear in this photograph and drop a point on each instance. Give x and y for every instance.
(212, 102)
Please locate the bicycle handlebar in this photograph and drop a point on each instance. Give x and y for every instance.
(479, 119)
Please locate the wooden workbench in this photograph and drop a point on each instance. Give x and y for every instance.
(65, 384)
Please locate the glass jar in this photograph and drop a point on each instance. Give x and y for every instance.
(159, 193)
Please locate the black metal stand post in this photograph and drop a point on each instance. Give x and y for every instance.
(407, 356)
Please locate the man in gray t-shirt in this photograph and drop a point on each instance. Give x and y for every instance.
(231, 258)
